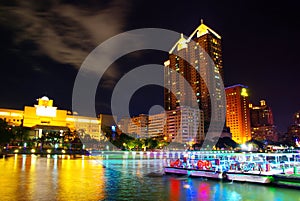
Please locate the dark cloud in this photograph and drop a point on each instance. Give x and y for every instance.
(63, 31)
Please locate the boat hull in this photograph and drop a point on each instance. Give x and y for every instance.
(177, 171)
(248, 177)
(207, 174)
(194, 172)
(290, 181)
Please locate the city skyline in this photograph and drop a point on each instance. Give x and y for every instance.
(259, 44)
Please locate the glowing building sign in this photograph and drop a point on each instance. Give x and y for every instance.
(244, 92)
(45, 111)
(45, 107)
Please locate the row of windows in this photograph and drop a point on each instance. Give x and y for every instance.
(12, 120)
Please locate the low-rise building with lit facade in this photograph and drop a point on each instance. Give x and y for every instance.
(44, 117)
(144, 126)
(157, 124)
(138, 126)
(11, 116)
(183, 125)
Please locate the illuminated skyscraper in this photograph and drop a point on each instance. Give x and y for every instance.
(238, 113)
(204, 54)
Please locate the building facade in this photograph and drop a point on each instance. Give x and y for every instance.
(138, 126)
(262, 123)
(157, 125)
(261, 115)
(12, 117)
(293, 134)
(238, 113)
(185, 125)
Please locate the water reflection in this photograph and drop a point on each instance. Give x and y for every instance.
(174, 189)
(37, 178)
(30, 177)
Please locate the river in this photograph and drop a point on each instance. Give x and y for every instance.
(30, 177)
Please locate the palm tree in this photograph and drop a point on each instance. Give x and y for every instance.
(5, 132)
(20, 134)
(131, 144)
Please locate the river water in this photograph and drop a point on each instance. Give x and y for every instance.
(25, 177)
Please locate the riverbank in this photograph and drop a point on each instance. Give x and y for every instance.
(10, 152)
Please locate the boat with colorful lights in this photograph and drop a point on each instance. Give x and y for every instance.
(203, 168)
(232, 166)
(261, 168)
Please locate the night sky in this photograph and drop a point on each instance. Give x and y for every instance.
(42, 46)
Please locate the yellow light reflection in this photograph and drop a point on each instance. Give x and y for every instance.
(80, 177)
(30, 177)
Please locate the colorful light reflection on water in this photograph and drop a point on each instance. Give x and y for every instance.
(37, 178)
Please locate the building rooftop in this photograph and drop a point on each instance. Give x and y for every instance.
(44, 98)
(201, 30)
(236, 85)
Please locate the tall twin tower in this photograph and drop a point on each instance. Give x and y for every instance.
(198, 58)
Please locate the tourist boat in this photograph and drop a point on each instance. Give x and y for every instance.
(260, 168)
(203, 168)
(242, 167)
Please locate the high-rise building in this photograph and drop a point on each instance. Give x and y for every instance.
(261, 115)
(203, 53)
(262, 123)
(238, 113)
